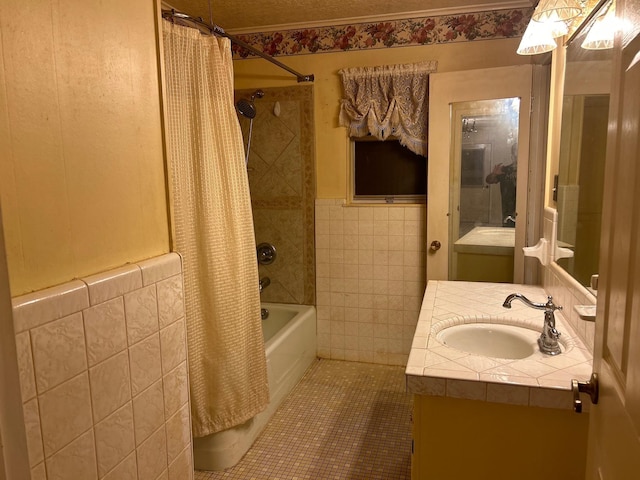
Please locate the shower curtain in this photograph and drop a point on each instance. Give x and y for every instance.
(213, 231)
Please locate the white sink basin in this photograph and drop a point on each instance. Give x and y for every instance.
(491, 339)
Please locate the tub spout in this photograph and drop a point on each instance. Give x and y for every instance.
(264, 283)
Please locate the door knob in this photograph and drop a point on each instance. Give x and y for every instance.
(435, 245)
(591, 388)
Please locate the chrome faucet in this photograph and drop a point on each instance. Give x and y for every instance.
(264, 283)
(548, 341)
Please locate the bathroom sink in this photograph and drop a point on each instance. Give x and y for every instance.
(491, 339)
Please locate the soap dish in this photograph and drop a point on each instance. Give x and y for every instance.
(586, 312)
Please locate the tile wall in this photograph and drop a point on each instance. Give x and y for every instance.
(568, 293)
(370, 280)
(103, 375)
(565, 290)
(282, 182)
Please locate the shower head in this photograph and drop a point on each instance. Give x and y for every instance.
(246, 107)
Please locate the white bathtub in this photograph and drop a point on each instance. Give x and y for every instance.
(290, 345)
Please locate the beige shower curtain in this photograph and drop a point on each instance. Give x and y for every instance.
(213, 231)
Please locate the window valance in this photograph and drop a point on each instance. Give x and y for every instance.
(388, 100)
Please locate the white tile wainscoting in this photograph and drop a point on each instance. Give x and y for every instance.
(103, 375)
(370, 279)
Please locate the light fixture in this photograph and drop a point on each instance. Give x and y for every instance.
(468, 127)
(601, 33)
(537, 39)
(552, 10)
(558, 27)
(550, 20)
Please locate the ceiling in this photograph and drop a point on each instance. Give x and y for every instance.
(246, 16)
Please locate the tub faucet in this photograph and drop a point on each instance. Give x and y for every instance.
(548, 341)
(264, 283)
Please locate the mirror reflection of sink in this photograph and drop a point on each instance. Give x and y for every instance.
(491, 339)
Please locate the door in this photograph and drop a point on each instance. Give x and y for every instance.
(446, 91)
(614, 441)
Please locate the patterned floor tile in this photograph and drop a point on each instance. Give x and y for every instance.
(343, 421)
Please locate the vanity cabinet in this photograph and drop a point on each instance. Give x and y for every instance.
(477, 416)
(457, 438)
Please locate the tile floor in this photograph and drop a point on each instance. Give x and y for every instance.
(344, 420)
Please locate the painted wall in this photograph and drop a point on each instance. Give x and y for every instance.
(81, 156)
(332, 145)
(81, 160)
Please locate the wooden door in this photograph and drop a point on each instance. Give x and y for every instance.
(614, 441)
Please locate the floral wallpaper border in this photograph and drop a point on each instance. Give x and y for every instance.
(488, 25)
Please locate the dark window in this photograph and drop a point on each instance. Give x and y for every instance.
(388, 171)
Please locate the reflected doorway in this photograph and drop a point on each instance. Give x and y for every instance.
(484, 169)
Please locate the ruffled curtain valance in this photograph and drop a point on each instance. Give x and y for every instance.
(388, 100)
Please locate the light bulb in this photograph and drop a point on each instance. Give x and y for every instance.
(557, 26)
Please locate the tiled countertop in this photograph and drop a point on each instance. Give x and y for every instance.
(439, 370)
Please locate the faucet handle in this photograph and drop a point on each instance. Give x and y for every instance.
(550, 305)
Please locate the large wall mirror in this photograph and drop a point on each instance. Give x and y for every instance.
(484, 170)
(583, 144)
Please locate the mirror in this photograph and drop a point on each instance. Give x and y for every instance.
(484, 166)
(583, 142)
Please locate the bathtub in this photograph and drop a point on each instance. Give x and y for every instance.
(290, 346)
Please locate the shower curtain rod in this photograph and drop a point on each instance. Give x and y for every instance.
(217, 30)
